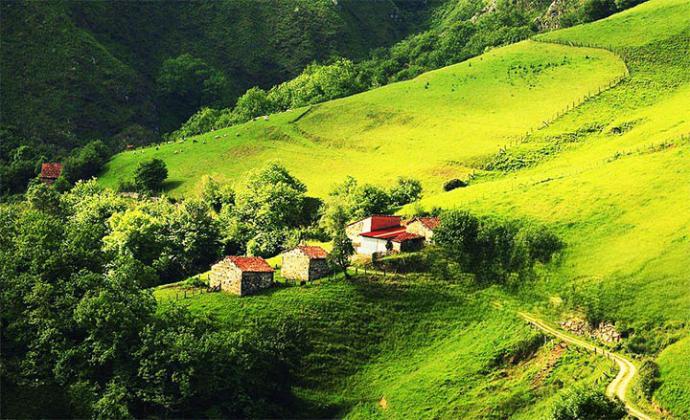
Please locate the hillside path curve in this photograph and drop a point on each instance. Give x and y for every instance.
(620, 384)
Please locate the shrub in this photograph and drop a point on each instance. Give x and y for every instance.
(150, 175)
(454, 183)
(588, 404)
(648, 380)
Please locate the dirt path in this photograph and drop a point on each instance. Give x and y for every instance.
(620, 384)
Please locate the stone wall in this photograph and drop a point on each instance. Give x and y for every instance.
(295, 265)
(418, 228)
(318, 269)
(255, 282)
(227, 276)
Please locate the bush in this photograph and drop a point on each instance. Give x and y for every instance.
(588, 404)
(150, 175)
(648, 380)
(454, 183)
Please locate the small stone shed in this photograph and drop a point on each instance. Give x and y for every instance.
(241, 275)
(423, 226)
(305, 263)
(50, 172)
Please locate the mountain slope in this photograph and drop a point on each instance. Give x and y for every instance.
(448, 116)
(73, 71)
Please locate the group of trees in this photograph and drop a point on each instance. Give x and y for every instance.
(80, 327)
(494, 249)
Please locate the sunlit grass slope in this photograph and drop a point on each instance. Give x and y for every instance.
(614, 177)
(411, 348)
(426, 127)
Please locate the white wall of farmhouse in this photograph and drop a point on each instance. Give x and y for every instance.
(368, 246)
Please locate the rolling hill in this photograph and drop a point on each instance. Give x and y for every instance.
(586, 129)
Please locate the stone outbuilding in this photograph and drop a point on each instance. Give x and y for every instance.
(241, 275)
(305, 263)
(50, 172)
(423, 226)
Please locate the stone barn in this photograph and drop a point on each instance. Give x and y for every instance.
(305, 263)
(423, 226)
(50, 172)
(241, 275)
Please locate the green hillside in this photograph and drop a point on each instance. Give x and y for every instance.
(411, 347)
(450, 117)
(611, 175)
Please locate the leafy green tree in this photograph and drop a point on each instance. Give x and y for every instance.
(43, 197)
(253, 103)
(185, 84)
(150, 175)
(405, 191)
(86, 162)
(598, 9)
(339, 257)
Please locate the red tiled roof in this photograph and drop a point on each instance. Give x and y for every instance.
(313, 252)
(381, 221)
(406, 236)
(252, 264)
(429, 222)
(51, 170)
(388, 233)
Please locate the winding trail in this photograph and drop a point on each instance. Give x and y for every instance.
(620, 384)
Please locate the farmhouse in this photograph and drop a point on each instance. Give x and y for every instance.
(50, 172)
(382, 234)
(305, 263)
(241, 275)
(423, 226)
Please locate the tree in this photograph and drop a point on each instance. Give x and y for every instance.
(86, 162)
(405, 191)
(150, 175)
(252, 104)
(339, 256)
(43, 197)
(185, 84)
(598, 9)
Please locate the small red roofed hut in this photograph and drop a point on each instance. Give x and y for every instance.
(241, 275)
(50, 172)
(305, 263)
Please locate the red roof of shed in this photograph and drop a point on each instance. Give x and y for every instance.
(251, 264)
(51, 170)
(388, 233)
(429, 222)
(313, 252)
(406, 236)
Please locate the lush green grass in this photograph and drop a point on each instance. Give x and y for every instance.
(426, 128)
(426, 347)
(675, 378)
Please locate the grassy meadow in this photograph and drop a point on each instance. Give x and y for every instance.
(610, 172)
(428, 127)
